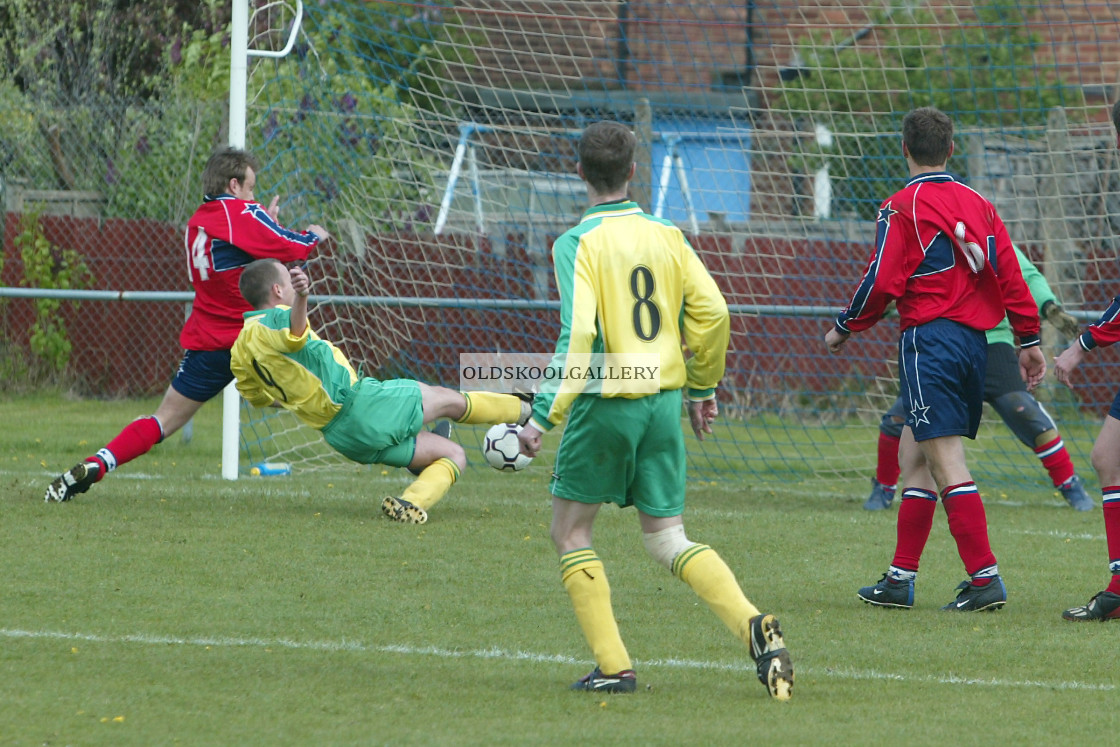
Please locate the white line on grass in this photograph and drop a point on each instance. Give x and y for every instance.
(276, 487)
(497, 653)
(1057, 534)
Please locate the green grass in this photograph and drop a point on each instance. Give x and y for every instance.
(168, 606)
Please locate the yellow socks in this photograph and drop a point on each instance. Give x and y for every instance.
(432, 484)
(490, 407)
(699, 566)
(703, 569)
(586, 581)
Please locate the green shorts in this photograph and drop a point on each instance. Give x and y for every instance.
(378, 422)
(624, 451)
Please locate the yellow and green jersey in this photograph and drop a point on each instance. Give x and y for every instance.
(630, 284)
(301, 373)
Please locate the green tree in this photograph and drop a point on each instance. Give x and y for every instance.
(163, 144)
(110, 95)
(129, 98)
(341, 122)
(981, 71)
(90, 51)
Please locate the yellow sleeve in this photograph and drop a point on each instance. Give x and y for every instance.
(253, 394)
(240, 364)
(706, 327)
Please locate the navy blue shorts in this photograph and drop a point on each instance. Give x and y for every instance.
(1114, 411)
(202, 374)
(941, 368)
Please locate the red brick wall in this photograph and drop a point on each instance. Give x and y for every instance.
(678, 45)
(119, 348)
(127, 348)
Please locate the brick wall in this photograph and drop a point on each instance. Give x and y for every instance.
(129, 348)
(679, 45)
(119, 348)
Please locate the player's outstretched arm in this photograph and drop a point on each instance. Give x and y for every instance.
(301, 284)
(1069, 360)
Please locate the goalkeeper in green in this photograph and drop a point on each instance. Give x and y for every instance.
(630, 285)
(279, 361)
(1005, 391)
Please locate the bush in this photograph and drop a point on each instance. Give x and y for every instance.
(48, 266)
(137, 124)
(113, 97)
(340, 125)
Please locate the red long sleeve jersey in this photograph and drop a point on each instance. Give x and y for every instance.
(1106, 330)
(918, 263)
(223, 236)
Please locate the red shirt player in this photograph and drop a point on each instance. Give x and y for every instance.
(944, 255)
(228, 231)
(1105, 605)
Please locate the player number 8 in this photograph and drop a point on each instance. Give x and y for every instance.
(641, 286)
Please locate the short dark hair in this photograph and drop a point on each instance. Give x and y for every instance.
(1116, 116)
(257, 280)
(928, 135)
(225, 164)
(606, 153)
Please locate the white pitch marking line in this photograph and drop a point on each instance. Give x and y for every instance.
(1057, 534)
(497, 653)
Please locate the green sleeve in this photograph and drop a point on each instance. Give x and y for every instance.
(564, 265)
(1036, 282)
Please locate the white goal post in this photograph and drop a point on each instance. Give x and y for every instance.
(238, 74)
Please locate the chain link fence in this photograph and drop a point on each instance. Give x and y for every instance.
(96, 198)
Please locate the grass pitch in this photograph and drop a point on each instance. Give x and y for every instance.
(167, 606)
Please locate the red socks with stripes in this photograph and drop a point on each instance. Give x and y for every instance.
(136, 439)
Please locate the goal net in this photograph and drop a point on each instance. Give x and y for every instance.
(436, 141)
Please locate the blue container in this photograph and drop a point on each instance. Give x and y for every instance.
(270, 468)
(715, 152)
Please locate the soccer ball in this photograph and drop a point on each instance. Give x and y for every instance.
(501, 449)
